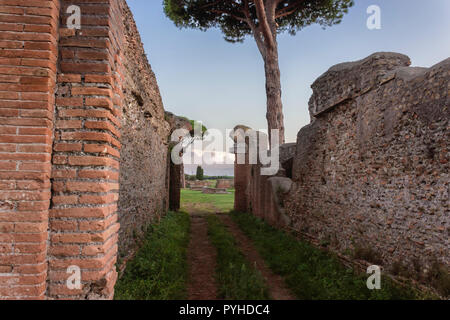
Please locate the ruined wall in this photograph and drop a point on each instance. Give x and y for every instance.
(259, 194)
(143, 193)
(198, 183)
(372, 169)
(370, 174)
(86, 151)
(225, 184)
(80, 111)
(28, 39)
(176, 171)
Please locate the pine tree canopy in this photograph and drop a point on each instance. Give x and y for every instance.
(239, 18)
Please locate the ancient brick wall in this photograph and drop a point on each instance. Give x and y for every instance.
(371, 172)
(86, 152)
(28, 38)
(80, 111)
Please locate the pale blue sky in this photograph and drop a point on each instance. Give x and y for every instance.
(205, 78)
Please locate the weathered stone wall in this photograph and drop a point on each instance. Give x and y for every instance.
(176, 171)
(143, 193)
(371, 172)
(259, 194)
(372, 169)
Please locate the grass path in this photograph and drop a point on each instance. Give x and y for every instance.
(275, 284)
(237, 277)
(201, 259)
(218, 267)
(208, 254)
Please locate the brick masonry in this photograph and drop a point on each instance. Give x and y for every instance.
(28, 38)
(80, 110)
(86, 152)
(371, 171)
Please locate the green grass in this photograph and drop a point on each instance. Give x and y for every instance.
(159, 270)
(237, 279)
(198, 201)
(311, 273)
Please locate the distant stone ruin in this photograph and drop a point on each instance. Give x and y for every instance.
(198, 184)
(205, 186)
(225, 184)
(207, 190)
(371, 171)
(177, 178)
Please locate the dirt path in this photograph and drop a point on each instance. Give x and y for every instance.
(202, 262)
(275, 283)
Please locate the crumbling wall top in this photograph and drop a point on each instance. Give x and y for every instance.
(177, 122)
(351, 79)
(287, 151)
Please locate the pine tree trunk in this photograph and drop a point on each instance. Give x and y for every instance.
(274, 114)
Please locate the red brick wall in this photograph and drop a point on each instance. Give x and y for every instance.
(86, 152)
(60, 104)
(28, 38)
(62, 95)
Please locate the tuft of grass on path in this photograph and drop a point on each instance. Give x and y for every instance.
(237, 279)
(197, 201)
(159, 270)
(311, 273)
